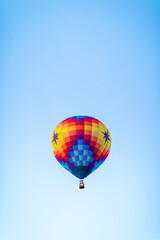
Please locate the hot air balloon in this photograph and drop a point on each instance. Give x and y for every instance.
(81, 144)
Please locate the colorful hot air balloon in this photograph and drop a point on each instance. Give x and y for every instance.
(81, 144)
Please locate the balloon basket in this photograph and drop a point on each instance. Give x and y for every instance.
(81, 184)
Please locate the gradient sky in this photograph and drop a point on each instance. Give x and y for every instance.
(65, 58)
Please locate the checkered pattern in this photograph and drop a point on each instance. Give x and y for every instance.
(81, 141)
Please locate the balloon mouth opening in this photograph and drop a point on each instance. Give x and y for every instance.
(81, 172)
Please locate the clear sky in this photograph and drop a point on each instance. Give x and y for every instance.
(65, 58)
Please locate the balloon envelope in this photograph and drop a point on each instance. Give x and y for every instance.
(81, 144)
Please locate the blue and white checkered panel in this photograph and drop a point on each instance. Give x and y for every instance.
(80, 159)
(81, 156)
(78, 163)
(72, 159)
(85, 163)
(80, 147)
(87, 160)
(90, 159)
(80, 151)
(85, 152)
(76, 153)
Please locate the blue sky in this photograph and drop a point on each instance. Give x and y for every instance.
(65, 58)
